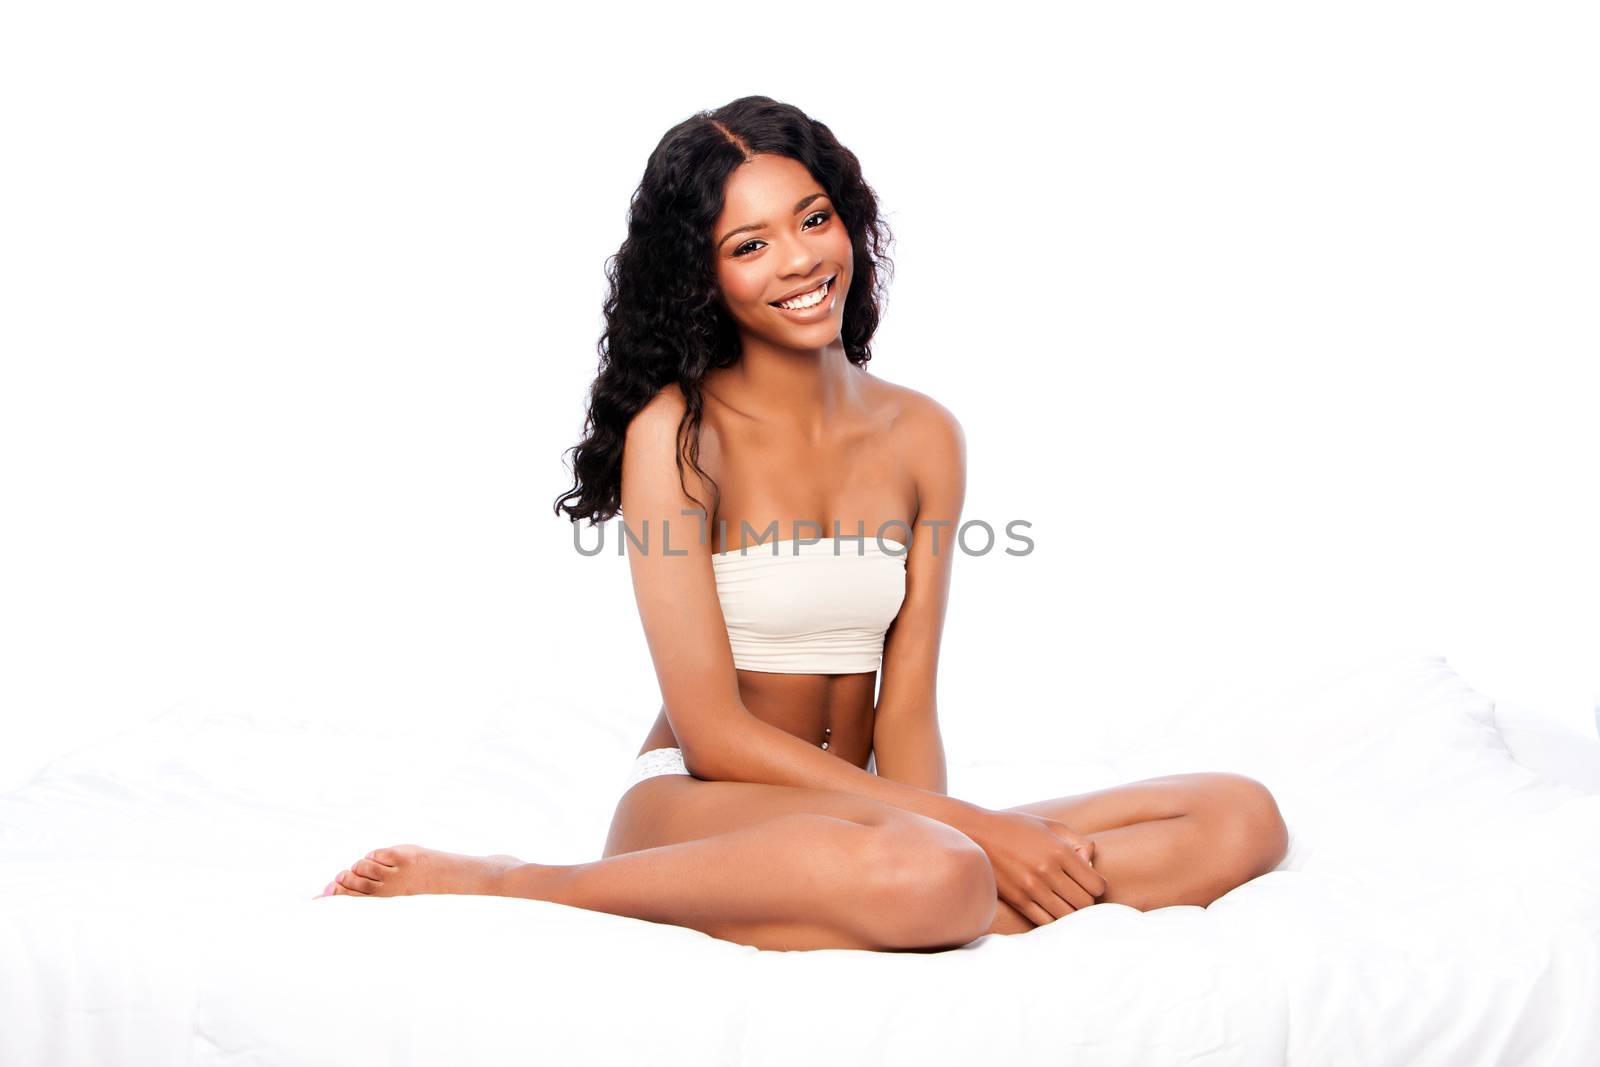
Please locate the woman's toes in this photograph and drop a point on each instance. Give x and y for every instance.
(371, 870)
(396, 855)
(351, 883)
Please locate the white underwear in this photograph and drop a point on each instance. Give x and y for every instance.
(670, 761)
(654, 762)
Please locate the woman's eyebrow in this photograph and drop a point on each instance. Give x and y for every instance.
(801, 206)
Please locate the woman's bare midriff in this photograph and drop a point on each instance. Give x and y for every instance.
(805, 705)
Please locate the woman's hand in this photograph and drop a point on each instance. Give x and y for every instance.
(1041, 867)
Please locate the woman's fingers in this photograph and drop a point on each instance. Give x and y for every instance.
(1071, 892)
(1042, 905)
(1036, 915)
(1052, 897)
(1084, 875)
(1041, 915)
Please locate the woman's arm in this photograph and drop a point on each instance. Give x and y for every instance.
(688, 637)
(905, 733)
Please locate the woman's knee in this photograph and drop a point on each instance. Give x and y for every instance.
(1254, 825)
(932, 886)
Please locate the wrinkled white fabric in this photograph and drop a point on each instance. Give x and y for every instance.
(1438, 906)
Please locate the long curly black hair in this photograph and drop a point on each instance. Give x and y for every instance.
(663, 320)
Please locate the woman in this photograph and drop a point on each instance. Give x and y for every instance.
(733, 388)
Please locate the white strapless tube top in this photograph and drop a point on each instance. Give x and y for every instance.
(810, 607)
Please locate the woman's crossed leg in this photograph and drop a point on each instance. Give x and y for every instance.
(767, 866)
(791, 868)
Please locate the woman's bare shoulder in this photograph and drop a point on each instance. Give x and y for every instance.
(654, 442)
(928, 438)
(666, 408)
(661, 416)
(917, 420)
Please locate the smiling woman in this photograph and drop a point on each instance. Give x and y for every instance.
(789, 266)
(733, 390)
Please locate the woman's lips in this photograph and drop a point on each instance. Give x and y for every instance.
(816, 311)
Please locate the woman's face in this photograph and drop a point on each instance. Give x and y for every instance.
(779, 235)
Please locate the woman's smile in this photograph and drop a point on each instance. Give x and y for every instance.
(812, 305)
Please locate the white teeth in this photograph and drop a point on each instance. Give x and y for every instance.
(810, 299)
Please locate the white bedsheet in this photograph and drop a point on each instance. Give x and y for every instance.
(1440, 904)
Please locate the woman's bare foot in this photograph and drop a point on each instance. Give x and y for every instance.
(401, 870)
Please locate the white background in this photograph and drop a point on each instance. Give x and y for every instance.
(1278, 323)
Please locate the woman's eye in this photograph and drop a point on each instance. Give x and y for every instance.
(744, 248)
